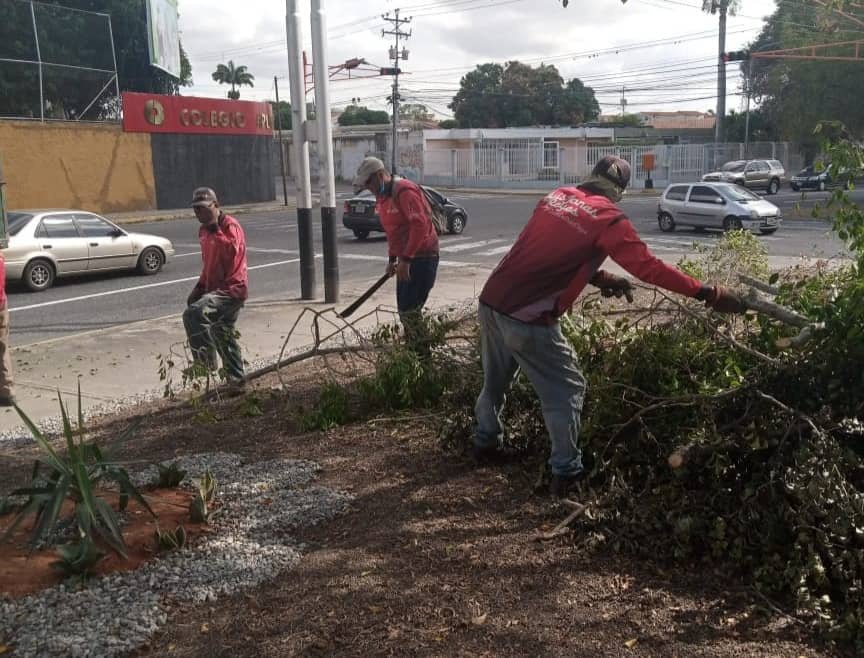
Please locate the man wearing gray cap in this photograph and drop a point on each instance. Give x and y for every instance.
(215, 302)
(412, 240)
(572, 231)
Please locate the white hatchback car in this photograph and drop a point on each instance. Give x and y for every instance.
(46, 244)
(716, 205)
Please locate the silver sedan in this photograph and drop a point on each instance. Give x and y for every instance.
(46, 244)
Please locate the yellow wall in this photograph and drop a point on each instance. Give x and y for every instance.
(72, 165)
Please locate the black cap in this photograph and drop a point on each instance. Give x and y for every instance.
(614, 169)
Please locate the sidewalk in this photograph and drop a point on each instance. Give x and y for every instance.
(117, 364)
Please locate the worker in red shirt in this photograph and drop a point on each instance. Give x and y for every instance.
(558, 253)
(215, 302)
(412, 240)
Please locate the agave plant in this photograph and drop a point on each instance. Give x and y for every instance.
(75, 477)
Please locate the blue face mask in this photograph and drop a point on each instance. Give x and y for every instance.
(382, 188)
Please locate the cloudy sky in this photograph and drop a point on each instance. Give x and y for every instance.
(660, 51)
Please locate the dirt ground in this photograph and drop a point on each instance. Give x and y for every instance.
(438, 558)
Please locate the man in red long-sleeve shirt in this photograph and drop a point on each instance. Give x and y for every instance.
(215, 302)
(559, 252)
(412, 241)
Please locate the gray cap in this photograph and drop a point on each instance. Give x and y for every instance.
(368, 167)
(204, 196)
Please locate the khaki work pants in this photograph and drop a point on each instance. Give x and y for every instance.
(5, 356)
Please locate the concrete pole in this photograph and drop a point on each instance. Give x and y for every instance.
(301, 150)
(327, 175)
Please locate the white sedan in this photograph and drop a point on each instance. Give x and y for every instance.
(46, 244)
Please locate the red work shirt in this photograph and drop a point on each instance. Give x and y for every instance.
(224, 256)
(406, 219)
(568, 237)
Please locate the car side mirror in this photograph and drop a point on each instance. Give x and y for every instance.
(720, 202)
(118, 233)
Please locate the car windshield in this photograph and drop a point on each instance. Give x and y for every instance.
(734, 166)
(17, 221)
(740, 194)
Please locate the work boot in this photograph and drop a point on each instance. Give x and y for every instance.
(562, 485)
(482, 455)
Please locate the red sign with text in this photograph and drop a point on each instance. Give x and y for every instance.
(154, 113)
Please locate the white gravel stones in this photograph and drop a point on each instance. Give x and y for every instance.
(261, 504)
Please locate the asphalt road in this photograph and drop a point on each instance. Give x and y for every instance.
(88, 303)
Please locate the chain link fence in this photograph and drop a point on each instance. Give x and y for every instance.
(56, 63)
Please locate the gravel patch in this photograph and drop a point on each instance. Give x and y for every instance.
(261, 505)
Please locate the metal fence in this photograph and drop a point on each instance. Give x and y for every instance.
(544, 164)
(56, 63)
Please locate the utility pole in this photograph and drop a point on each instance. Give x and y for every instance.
(747, 86)
(623, 102)
(301, 151)
(722, 6)
(394, 55)
(280, 142)
(326, 176)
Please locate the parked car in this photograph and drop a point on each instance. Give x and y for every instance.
(820, 178)
(46, 244)
(765, 175)
(716, 205)
(359, 214)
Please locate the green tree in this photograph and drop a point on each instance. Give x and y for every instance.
(631, 120)
(796, 95)
(447, 124)
(78, 39)
(414, 112)
(283, 113)
(517, 94)
(761, 128)
(357, 115)
(236, 76)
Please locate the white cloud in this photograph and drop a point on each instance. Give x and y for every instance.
(451, 36)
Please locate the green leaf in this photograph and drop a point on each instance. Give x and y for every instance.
(67, 428)
(121, 477)
(54, 459)
(114, 535)
(49, 518)
(81, 431)
(85, 488)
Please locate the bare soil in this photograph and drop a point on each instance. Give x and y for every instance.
(438, 557)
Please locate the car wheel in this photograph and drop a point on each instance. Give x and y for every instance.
(666, 222)
(821, 185)
(456, 224)
(773, 186)
(731, 223)
(150, 261)
(361, 235)
(767, 231)
(39, 275)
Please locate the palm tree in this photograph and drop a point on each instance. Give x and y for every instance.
(234, 76)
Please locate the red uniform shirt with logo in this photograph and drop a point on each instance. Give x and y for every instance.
(405, 218)
(224, 255)
(570, 234)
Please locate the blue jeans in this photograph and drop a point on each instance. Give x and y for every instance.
(546, 358)
(411, 296)
(210, 326)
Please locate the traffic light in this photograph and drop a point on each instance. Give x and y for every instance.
(390, 71)
(736, 56)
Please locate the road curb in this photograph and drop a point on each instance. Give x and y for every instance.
(186, 213)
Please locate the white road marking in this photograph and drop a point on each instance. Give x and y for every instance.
(106, 293)
(497, 251)
(471, 245)
(383, 259)
(191, 253)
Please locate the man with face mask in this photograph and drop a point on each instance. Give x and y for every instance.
(559, 252)
(412, 241)
(215, 302)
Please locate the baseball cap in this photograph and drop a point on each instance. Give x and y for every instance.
(614, 169)
(368, 167)
(204, 196)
